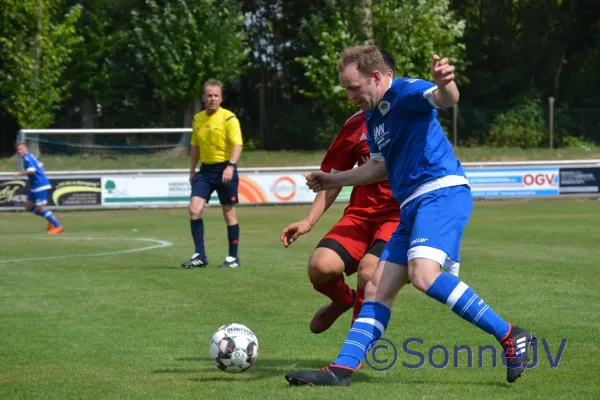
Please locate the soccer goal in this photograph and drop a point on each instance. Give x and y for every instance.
(106, 142)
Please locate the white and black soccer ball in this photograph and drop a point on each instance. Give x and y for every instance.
(233, 348)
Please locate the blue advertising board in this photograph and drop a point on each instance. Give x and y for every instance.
(513, 182)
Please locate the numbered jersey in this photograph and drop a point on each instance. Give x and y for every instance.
(348, 149)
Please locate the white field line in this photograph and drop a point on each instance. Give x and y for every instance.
(157, 245)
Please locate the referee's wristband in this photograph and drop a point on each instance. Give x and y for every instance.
(231, 163)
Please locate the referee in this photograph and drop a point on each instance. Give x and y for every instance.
(217, 143)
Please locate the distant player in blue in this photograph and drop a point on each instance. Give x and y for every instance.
(38, 190)
(410, 148)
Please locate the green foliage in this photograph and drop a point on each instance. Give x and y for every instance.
(522, 126)
(403, 28)
(36, 44)
(413, 31)
(186, 42)
(576, 142)
(332, 34)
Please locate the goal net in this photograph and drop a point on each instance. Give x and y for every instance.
(106, 142)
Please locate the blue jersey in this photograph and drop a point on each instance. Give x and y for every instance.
(38, 181)
(404, 132)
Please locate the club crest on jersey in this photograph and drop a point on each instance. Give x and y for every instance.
(362, 137)
(384, 107)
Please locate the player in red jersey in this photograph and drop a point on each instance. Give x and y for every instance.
(355, 243)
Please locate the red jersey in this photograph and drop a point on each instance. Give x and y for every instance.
(349, 148)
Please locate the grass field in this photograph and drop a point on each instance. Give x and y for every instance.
(259, 158)
(135, 325)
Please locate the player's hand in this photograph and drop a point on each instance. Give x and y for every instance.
(16, 175)
(291, 232)
(192, 175)
(320, 180)
(228, 174)
(441, 71)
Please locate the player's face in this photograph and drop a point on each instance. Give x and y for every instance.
(361, 89)
(21, 150)
(212, 98)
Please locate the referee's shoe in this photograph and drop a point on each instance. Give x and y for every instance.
(195, 262)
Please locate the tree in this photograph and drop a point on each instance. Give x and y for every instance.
(101, 59)
(36, 44)
(402, 28)
(407, 30)
(186, 42)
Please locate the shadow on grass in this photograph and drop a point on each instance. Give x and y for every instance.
(271, 368)
(264, 369)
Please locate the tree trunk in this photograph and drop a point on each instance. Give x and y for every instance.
(188, 116)
(87, 120)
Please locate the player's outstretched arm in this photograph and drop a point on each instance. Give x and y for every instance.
(370, 172)
(23, 173)
(442, 72)
(322, 202)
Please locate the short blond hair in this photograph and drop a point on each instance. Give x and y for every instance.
(212, 82)
(366, 59)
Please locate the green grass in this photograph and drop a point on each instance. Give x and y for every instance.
(137, 326)
(285, 158)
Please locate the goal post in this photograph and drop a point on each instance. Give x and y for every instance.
(106, 142)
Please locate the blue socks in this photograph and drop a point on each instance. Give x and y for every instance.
(197, 226)
(46, 214)
(464, 302)
(233, 236)
(368, 327)
(50, 217)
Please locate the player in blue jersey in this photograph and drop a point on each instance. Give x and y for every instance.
(39, 185)
(410, 148)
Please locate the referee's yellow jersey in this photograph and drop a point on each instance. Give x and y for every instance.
(216, 135)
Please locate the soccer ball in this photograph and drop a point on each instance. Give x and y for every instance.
(233, 348)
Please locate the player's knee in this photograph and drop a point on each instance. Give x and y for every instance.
(195, 211)
(321, 271)
(364, 273)
(422, 273)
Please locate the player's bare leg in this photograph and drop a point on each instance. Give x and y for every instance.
(366, 268)
(326, 273)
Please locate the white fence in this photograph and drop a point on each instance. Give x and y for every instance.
(286, 185)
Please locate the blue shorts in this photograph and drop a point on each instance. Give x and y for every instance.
(210, 178)
(431, 226)
(38, 198)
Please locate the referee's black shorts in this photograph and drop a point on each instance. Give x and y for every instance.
(210, 178)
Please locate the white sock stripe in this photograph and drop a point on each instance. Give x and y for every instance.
(363, 332)
(372, 321)
(458, 291)
(352, 342)
(471, 300)
(480, 313)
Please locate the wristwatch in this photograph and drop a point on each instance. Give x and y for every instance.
(231, 163)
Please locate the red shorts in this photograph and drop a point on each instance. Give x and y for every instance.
(358, 234)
